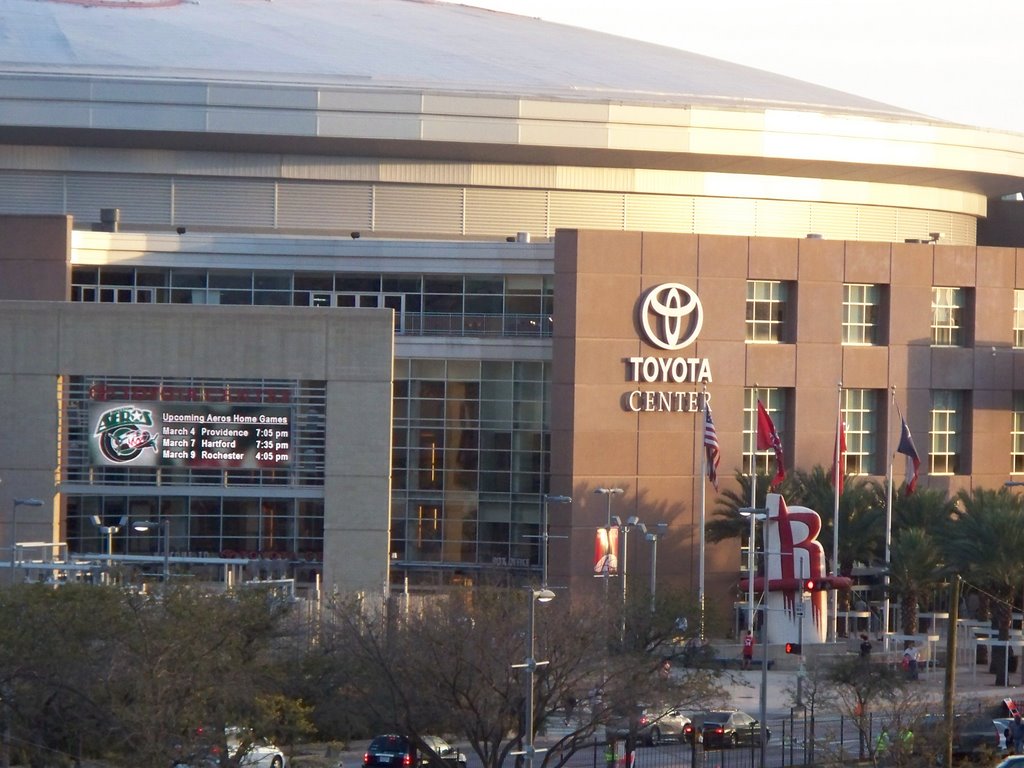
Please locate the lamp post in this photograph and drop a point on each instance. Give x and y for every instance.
(548, 499)
(625, 527)
(163, 541)
(109, 531)
(530, 665)
(608, 493)
(14, 528)
(653, 536)
(756, 514)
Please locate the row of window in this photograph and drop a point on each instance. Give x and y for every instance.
(443, 305)
(263, 528)
(865, 417)
(768, 318)
(513, 305)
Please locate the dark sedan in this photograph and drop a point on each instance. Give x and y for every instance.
(730, 728)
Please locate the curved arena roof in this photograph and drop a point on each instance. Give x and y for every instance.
(431, 84)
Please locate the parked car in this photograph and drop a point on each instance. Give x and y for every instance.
(206, 750)
(1013, 761)
(974, 736)
(651, 725)
(394, 751)
(730, 728)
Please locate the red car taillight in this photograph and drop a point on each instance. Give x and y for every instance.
(366, 758)
(406, 759)
(644, 721)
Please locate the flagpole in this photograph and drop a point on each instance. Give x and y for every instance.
(703, 502)
(888, 519)
(835, 519)
(753, 532)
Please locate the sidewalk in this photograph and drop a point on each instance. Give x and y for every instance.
(970, 684)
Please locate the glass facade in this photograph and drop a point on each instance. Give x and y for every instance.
(424, 305)
(471, 456)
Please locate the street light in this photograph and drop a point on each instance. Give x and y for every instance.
(14, 527)
(625, 527)
(653, 536)
(109, 530)
(756, 514)
(548, 499)
(530, 665)
(608, 493)
(165, 535)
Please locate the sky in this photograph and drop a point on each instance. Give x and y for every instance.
(951, 59)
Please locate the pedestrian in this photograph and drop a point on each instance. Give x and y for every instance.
(882, 742)
(570, 707)
(907, 741)
(748, 649)
(911, 659)
(1017, 734)
(865, 646)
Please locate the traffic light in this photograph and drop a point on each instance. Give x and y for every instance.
(809, 585)
(793, 648)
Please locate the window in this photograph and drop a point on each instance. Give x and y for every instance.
(1018, 318)
(947, 426)
(1017, 436)
(860, 414)
(860, 313)
(766, 311)
(948, 315)
(774, 401)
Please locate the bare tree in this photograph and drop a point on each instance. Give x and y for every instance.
(451, 668)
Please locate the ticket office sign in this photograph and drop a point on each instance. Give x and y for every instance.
(208, 436)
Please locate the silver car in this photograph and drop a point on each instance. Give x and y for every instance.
(650, 725)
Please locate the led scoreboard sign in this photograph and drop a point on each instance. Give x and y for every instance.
(199, 435)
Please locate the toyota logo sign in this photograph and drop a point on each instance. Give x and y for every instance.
(671, 316)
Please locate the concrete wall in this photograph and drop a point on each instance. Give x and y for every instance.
(352, 350)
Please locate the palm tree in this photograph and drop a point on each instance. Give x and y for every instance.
(986, 545)
(915, 570)
(928, 508)
(861, 512)
(727, 522)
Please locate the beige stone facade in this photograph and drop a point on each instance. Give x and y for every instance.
(597, 441)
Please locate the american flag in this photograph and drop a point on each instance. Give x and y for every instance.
(711, 448)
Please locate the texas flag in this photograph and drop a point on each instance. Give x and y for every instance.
(907, 448)
(839, 459)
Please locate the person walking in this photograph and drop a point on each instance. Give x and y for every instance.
(1016, 735)
(748, 649)
(865, 647)
(911, 660)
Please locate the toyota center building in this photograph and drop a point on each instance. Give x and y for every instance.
(362, 292)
